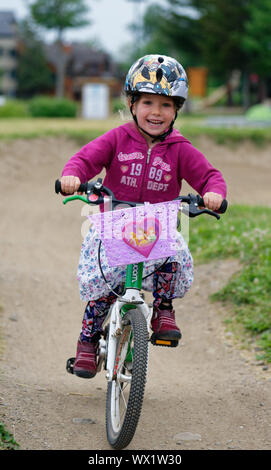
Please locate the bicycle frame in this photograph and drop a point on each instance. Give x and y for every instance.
(131, 299)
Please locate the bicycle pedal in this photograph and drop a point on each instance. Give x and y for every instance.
(70, 364)
(169, 343)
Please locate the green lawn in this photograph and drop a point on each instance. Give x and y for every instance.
(243, 233)
(85, 130)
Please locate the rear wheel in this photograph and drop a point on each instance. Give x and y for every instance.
(125, 392)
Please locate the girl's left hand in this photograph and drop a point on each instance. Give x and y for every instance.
(212, 201)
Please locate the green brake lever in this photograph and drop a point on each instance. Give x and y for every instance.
(72, 198)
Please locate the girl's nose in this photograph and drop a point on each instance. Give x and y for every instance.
(156, 109)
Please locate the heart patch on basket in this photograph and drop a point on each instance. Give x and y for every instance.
(143, 235)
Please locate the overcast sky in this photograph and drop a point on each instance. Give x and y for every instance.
(109, 20)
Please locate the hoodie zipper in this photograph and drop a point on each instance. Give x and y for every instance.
(148, 155)
(145, 169)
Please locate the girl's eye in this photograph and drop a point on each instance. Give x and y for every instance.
(148, 102)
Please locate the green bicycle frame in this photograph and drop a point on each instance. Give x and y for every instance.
(134, 276)
(133, 280)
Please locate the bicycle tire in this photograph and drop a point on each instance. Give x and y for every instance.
(120, 435)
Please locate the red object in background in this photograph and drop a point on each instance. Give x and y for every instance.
(254, 78)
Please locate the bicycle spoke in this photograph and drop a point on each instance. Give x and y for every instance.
(123, 396)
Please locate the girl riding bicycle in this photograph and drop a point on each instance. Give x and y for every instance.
(145, 160)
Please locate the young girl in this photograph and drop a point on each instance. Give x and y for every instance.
(145, 160)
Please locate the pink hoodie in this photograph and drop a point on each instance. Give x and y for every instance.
(136, 173)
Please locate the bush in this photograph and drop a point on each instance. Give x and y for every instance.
(118, 105)
(259, 112)
(52, 107)
(14, 108)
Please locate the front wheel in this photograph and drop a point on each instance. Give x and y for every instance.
(125, 392)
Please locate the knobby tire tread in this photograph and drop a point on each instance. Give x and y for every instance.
(140, 361)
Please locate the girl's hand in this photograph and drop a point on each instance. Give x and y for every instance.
(70, 184)
(212, 201)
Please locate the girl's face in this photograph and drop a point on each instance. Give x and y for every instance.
(154, 113)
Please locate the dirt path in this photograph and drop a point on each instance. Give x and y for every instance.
(204, 395)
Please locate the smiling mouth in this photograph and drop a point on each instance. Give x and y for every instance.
(154, 122)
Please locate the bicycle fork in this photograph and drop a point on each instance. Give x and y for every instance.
(109, 345)
(131, 299)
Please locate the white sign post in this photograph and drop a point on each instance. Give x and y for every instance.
(95, 101)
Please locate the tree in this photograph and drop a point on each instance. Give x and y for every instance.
(223, 25)
(257, 42)
(173, 33)
(59, 15)
(209, 32)
(223, 35)
(167, 31)
(33, 74)
(202, 33)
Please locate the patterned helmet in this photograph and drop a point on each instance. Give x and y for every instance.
(157, 74)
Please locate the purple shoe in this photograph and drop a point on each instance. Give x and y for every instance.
(164, 325)
(85, 364)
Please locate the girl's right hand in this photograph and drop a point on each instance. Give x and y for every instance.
(70, 184)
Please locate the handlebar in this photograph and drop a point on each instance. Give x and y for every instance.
(94, 191)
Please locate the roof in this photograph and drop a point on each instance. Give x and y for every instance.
(84, 55)
(80, 58)
(7, 23)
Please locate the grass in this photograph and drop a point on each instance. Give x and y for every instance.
(227, 136)
(243, 233)
(7, 441)
(84, 130)
(29, 128)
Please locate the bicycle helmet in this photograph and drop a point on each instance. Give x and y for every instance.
(160, 75)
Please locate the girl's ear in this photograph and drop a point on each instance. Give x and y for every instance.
(131, 105)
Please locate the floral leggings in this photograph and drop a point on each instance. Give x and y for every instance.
(164, 282)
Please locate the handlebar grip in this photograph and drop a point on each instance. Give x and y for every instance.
(82, 188)
(222, 208)
(57, 186)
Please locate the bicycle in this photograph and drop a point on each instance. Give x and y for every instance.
(124, 346)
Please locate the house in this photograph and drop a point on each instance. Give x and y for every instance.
(8, 54)
(84, 64)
